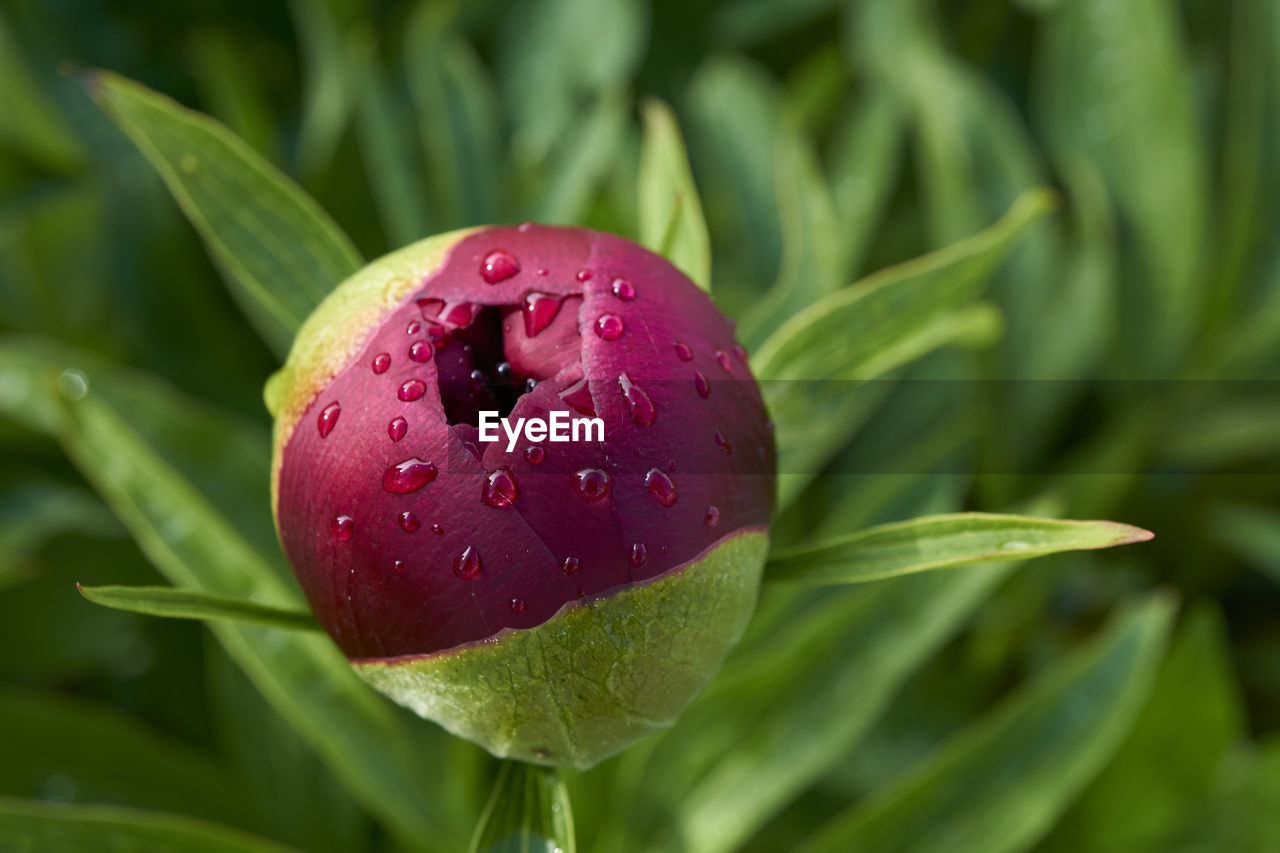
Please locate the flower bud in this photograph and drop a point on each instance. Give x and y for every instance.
(552, 600)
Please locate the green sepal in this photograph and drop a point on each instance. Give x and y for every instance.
(598, 675)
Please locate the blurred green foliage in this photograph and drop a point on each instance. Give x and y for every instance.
(1122, 362)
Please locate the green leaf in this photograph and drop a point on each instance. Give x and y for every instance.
(302, 674)
(388, 155)
(32, 511)
(942, 542)
(671, 220)
(810, 243)
(458, 118)
(1253, 532)
(1167, 766)
(282, 253)
(175, 603)
(233, 88)
(584, 160)
(102, 754)
(29, 825)
(805, 685)
(1000, 784)
(1115, 86)
(329, 89)
(527, 811)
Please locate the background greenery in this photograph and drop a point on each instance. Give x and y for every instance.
(1112, 700)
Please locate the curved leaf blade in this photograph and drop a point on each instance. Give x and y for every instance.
(1000, 784)
(32, 825)
(943, 542)
(281, 251)
(671, 220)
(173, 603)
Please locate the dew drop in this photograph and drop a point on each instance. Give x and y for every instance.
(398, 565)
(498, 265)
(420, 351)
(623, 289)
(740, 352)
(524, 227)
(530, 384)
(639, 555)
(381, 362)
(643, 412)
(722, 442)
(544, 271)
(592, 485)
(584, 275)
(570, 565)
(408, 476)
(328, 419)
(502, 372)
(467, 564)
(436, 335)
(534, 454)
(409, 522)
(414, 328)
(700, 382)
(539, 310)
(578, 395)
(397, 429)
(712, 518)
(683, 352)
(344, 527)
(437, 529)
(499, 489)
(517, 605)
(411, 390)
(609, 327)
(723, 358)
(661, 487)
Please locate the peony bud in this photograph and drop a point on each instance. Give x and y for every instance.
(550, 600)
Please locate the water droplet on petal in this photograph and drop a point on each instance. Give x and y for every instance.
(344, 527)
(328, 419)
(517, 605)
(408, 476)
(411, 390)
(414, 328)
(437, 529)
(643, 412)
(700, 382)
(723, 358)
(544, 271)
(740, 352)
(609, 327)
(639, 555)
(578, 396)
(381, 362)
(409, 522)
(500, 489)
(592, 485)
(397, 429)
(623, 289)
(420, 351)
(712, 517)
(570, 565)
(683, 352)
(660, 486)
(584, 275)
(498, 265)
(722, 442)
(467, 564)
(524, 227)
(534, 454)
(539, 310)
(398, 565)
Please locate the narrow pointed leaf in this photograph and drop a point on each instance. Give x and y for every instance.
(1000, 784)
(281, 252)
(34, 825)
(528, 811)
(174, 603)
(671, 219)
(943, 542)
